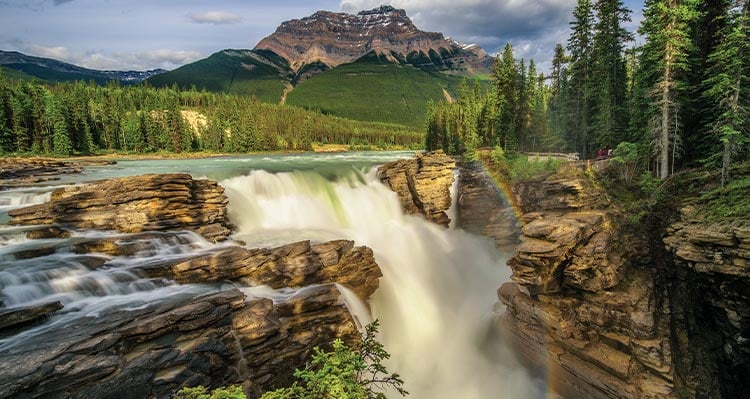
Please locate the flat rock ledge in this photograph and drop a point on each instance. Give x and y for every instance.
(135, 204)
(422, 184)
(18, 172)
(212, 339)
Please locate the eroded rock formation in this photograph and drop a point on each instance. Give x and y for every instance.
(16, 172)
(212, 340)
(422, 184)
(710, 306)
(135, 204)
(585, 301)
(209, 333)
(337, 38)
(482, 208)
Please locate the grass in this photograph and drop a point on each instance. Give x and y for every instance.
(232, 72)
(729, 204)
(374, 91)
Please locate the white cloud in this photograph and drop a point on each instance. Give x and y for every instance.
(531, 26)
(214, 17)
(58, 52)
(140, 60)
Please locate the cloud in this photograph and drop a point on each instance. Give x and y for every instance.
(59, 2)
(489, 23)
(140, 60)
(214, 17)
(57, 52)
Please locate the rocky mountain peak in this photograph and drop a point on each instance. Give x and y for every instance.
(335, 38)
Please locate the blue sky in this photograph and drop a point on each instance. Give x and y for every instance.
(145, 34)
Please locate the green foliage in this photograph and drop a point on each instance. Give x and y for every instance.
(344, 373)
(79, 118)
(200, 392)
(524, 168)
(628, 157)
(728, 204)
(373, 91)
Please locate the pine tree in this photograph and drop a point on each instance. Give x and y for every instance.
(580, 45)
(730, 84)
(664, 59)
(610, 79)
(505, 78)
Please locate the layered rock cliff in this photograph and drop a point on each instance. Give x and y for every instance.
(423, 184)
(216, 331)
(337, 38)
(135, 204)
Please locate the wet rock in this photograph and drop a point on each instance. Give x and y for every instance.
(422, 184)
(136, 204)
(14, 318)
(213, 340)
(482, 208)
(294, 265)
(17, 172)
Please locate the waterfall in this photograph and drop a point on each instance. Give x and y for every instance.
(435, 299)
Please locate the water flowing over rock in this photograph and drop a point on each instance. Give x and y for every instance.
(210, 314)
(422, 184)
(16, 172)
(585, 302)
(212, 340)
(135, 204)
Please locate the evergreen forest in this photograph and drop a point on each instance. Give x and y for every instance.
(79, 118)
(679, 99)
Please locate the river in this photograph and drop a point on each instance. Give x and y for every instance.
(435, 301)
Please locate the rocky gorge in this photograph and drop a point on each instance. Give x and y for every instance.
(598, 304)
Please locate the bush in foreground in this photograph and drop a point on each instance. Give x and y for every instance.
(342, 373)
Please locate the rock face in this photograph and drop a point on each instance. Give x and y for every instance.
(215, 339)
(422, 184)
(135, 204)
(294, 265)
(211, 340)
(710, 306)
(337, 38)
(585, 302)
(482, 209)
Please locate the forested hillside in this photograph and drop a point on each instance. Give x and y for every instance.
(679, 99)
(83, 118)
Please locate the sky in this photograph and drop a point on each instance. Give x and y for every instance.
(147, 34)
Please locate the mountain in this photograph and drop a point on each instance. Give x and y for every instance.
(340, 38)
(58, 71)
(375, 66)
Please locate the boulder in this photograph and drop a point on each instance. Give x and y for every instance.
(423, 184)
(135, 204)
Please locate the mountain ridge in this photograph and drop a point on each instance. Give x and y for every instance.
(335, 38)
(55, 70)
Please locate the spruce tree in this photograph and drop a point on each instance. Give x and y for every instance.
(609, 117)
(729, 84)
(580, 45)
(664, 61)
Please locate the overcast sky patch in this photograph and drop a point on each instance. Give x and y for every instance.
(214, 17)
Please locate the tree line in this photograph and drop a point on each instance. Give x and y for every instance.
(79, 118)
(681, 97)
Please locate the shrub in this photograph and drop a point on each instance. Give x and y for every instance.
(199, 392)
(344, 373)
